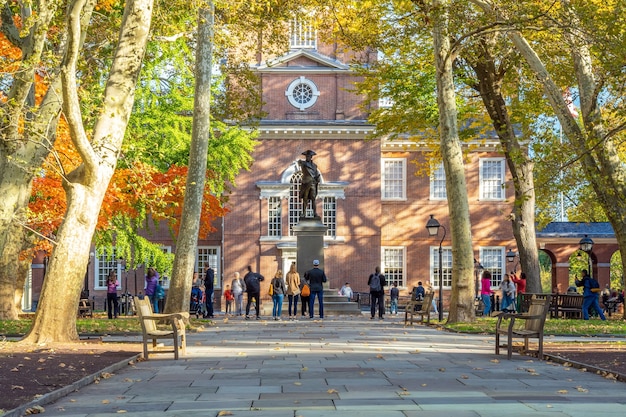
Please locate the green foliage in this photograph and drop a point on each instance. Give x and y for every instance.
(123, 241)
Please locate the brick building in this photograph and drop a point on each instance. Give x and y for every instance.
(371, 200)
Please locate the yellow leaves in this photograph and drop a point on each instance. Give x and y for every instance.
(105, 401)
(297, 383)
(562, 391)
(332, 391)
(34, 410)
(494, 361)
(581, 389)
(225, 413)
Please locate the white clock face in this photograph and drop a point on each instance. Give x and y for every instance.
(302, 93)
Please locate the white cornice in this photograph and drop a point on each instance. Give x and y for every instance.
(328, 63)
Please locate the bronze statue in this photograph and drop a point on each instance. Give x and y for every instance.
(310, 180)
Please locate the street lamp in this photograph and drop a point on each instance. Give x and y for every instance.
(586, 245)
(510, 257)
(433, 229)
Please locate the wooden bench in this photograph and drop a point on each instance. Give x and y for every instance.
(85, 308)
(524, 325)
(418, 308)
(175, 329)
(562, 305)
(568, 306)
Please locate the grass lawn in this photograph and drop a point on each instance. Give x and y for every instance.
(100, 325)
(557, 327)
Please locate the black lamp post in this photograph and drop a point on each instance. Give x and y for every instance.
(586, 245)
(122, 263)
(433, 229)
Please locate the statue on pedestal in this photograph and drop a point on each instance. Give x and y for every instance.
(310, 181)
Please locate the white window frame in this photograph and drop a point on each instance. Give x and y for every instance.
(492, 186)
(274, 217)
(493, 259)
(438, 184)
(103, 263)
(446, 262)
(302, 34)
(209, 256)
(389, 189)
(386, 252)
(299, 83)
(329, 215)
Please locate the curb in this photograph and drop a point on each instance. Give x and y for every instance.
(579, 365)
(62, 392)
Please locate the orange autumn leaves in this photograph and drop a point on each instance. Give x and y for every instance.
(137, 193)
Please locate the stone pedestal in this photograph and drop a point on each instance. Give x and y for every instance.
(310, 243)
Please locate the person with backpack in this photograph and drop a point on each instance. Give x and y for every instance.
(377, 284)
(591, 289)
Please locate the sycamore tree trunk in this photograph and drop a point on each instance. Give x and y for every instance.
(55, 320)
(187, 242)
(489, 80)
(27, 134)
(462, 299)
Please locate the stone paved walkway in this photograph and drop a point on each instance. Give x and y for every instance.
(343, 366)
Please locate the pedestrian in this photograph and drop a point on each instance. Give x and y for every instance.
(591, 290)
(419, 291)
(278, 294)
(520, 283)
(252, 281)
(394, 294)
(346, 291)
(196, 281)
(238, 288)
(485, 292)
(229, 298)
(507, 287)
(209, 287)
(305, 296)
(316, 278)
(429, 290)
(112, 303)
(293, 290)
(152, 280)
(377, 284)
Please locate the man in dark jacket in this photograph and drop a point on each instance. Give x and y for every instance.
(377, 284)
(209, 279)
(253, 288)
(590, 297)
(316, 278)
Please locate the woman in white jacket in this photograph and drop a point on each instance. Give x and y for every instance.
(507, 304)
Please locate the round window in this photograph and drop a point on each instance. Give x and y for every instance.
(302, 93)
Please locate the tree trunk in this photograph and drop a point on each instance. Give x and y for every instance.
(55, 320)
(462, 299)
(22, 158)
(488, 83)
(187, 242)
